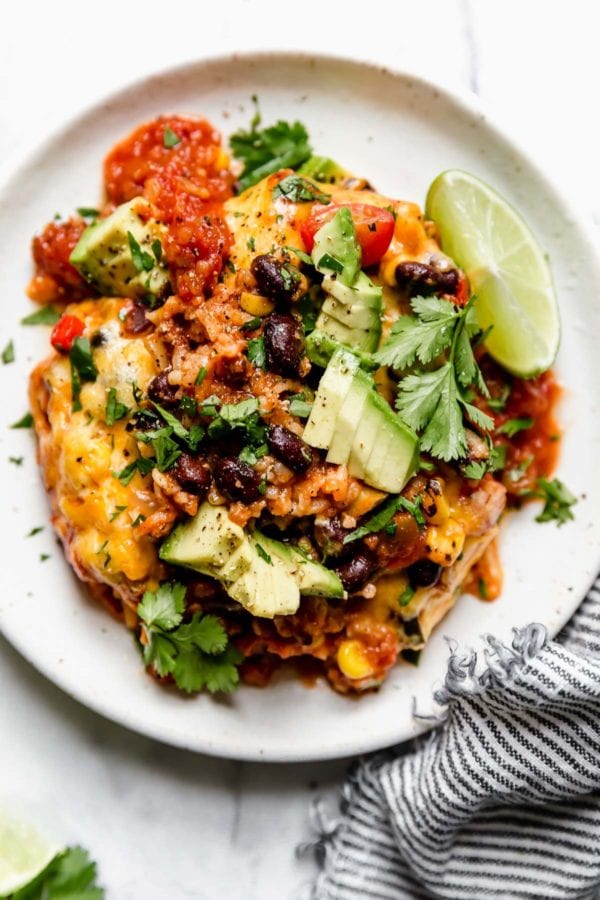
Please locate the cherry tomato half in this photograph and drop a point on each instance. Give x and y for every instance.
(64, 333)
(374, 228)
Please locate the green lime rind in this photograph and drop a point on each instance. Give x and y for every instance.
(507, 270)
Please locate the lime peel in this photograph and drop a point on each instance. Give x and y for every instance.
(24, 853)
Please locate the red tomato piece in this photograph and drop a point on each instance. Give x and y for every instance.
(64, 333)
(374, 228)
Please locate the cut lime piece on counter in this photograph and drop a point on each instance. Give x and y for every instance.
(23, 855)
(506, 267)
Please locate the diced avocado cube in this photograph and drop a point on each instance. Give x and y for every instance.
(333, 387)
(363, 291)
(336, 249)
(324, 169)
(122, 255)
(267, 589)
(313, 578)
(205, 543)
(395, 454)
(320, 346)
(349, 419)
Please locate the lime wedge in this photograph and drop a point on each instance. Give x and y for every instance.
(23, 855)
(506, 267)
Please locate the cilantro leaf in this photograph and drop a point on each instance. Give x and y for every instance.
(114, 409)
(46, 315)
(142, 261)
(256, 352)
(25, 422)
(8, 354)
(88, 212)
(170, 139)
(498, 403)
(202, 373)
(424, 337)
(558, 501)
(263, 554)
(406, 596)
(142, 464)
(163, 607)
(71, 875)
(196, 653)
(513, 426)
(299, 190)
(384, 515)
(299, 406)
(82, 368)
(280, 146)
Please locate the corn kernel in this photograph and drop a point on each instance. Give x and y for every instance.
(445, 542)
(256, 304)
(353, 661)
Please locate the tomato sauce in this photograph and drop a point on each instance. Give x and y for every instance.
(179, 165)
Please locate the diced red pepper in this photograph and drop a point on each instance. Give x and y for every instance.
(64, 333)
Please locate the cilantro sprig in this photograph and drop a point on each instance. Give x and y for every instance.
(299, 190)
(435, 402)
(266, 150)
(71, 875)
(196, 653)
(83, 369)
(558, 501)
(382, 519)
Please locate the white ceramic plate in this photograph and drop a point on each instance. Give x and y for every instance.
(399, 131)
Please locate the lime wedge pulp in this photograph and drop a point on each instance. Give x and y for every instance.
(506, 267)
(23, 855)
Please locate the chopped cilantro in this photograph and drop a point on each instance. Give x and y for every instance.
(251, 244)
(88, 212)
(263, 554)
(251, 324)
(202, 372)
(37, 530)
(483, 589)
(114, 409)
(330, 262)
(517, 472)
(513, 426)
(170, 139)
(299, 190)
(302, 256)
(250, 455)
(117, 512)
(498, 403)
(299, 406)
(196, 653)
(558, 501)
(280, 146)
(406, 596)
(142, 465)
(16, 460)
(46, 315)
(82, 368)
(44, 557)
(256, 352)
(25, 422)
(8, 354)
(384, 516)
(138, 520)
(142, 261)
(188, 405)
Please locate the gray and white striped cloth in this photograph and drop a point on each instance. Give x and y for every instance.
(502, 800)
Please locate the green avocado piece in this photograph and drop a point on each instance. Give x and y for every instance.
(352, 315)
(313, 578)
(321, 345)
(333, 387)
(349, 419)
(358, 428)
(324, 169)
(336, 250)
(362, 291)
(267, 589)
(205, 543)
(122, 254)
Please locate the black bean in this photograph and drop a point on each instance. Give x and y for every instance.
(356, 571)
(135, 321)
(276, 279)
(237, 480)
(192, 473)
(161, 391)
(99, 339)
(289, 448)
(424, 573)
(420, 278)
(284, 345)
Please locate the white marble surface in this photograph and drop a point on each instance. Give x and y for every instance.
(165, 824)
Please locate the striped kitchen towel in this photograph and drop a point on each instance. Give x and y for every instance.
(502, 800)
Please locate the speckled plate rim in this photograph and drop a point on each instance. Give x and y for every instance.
(364, 741)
